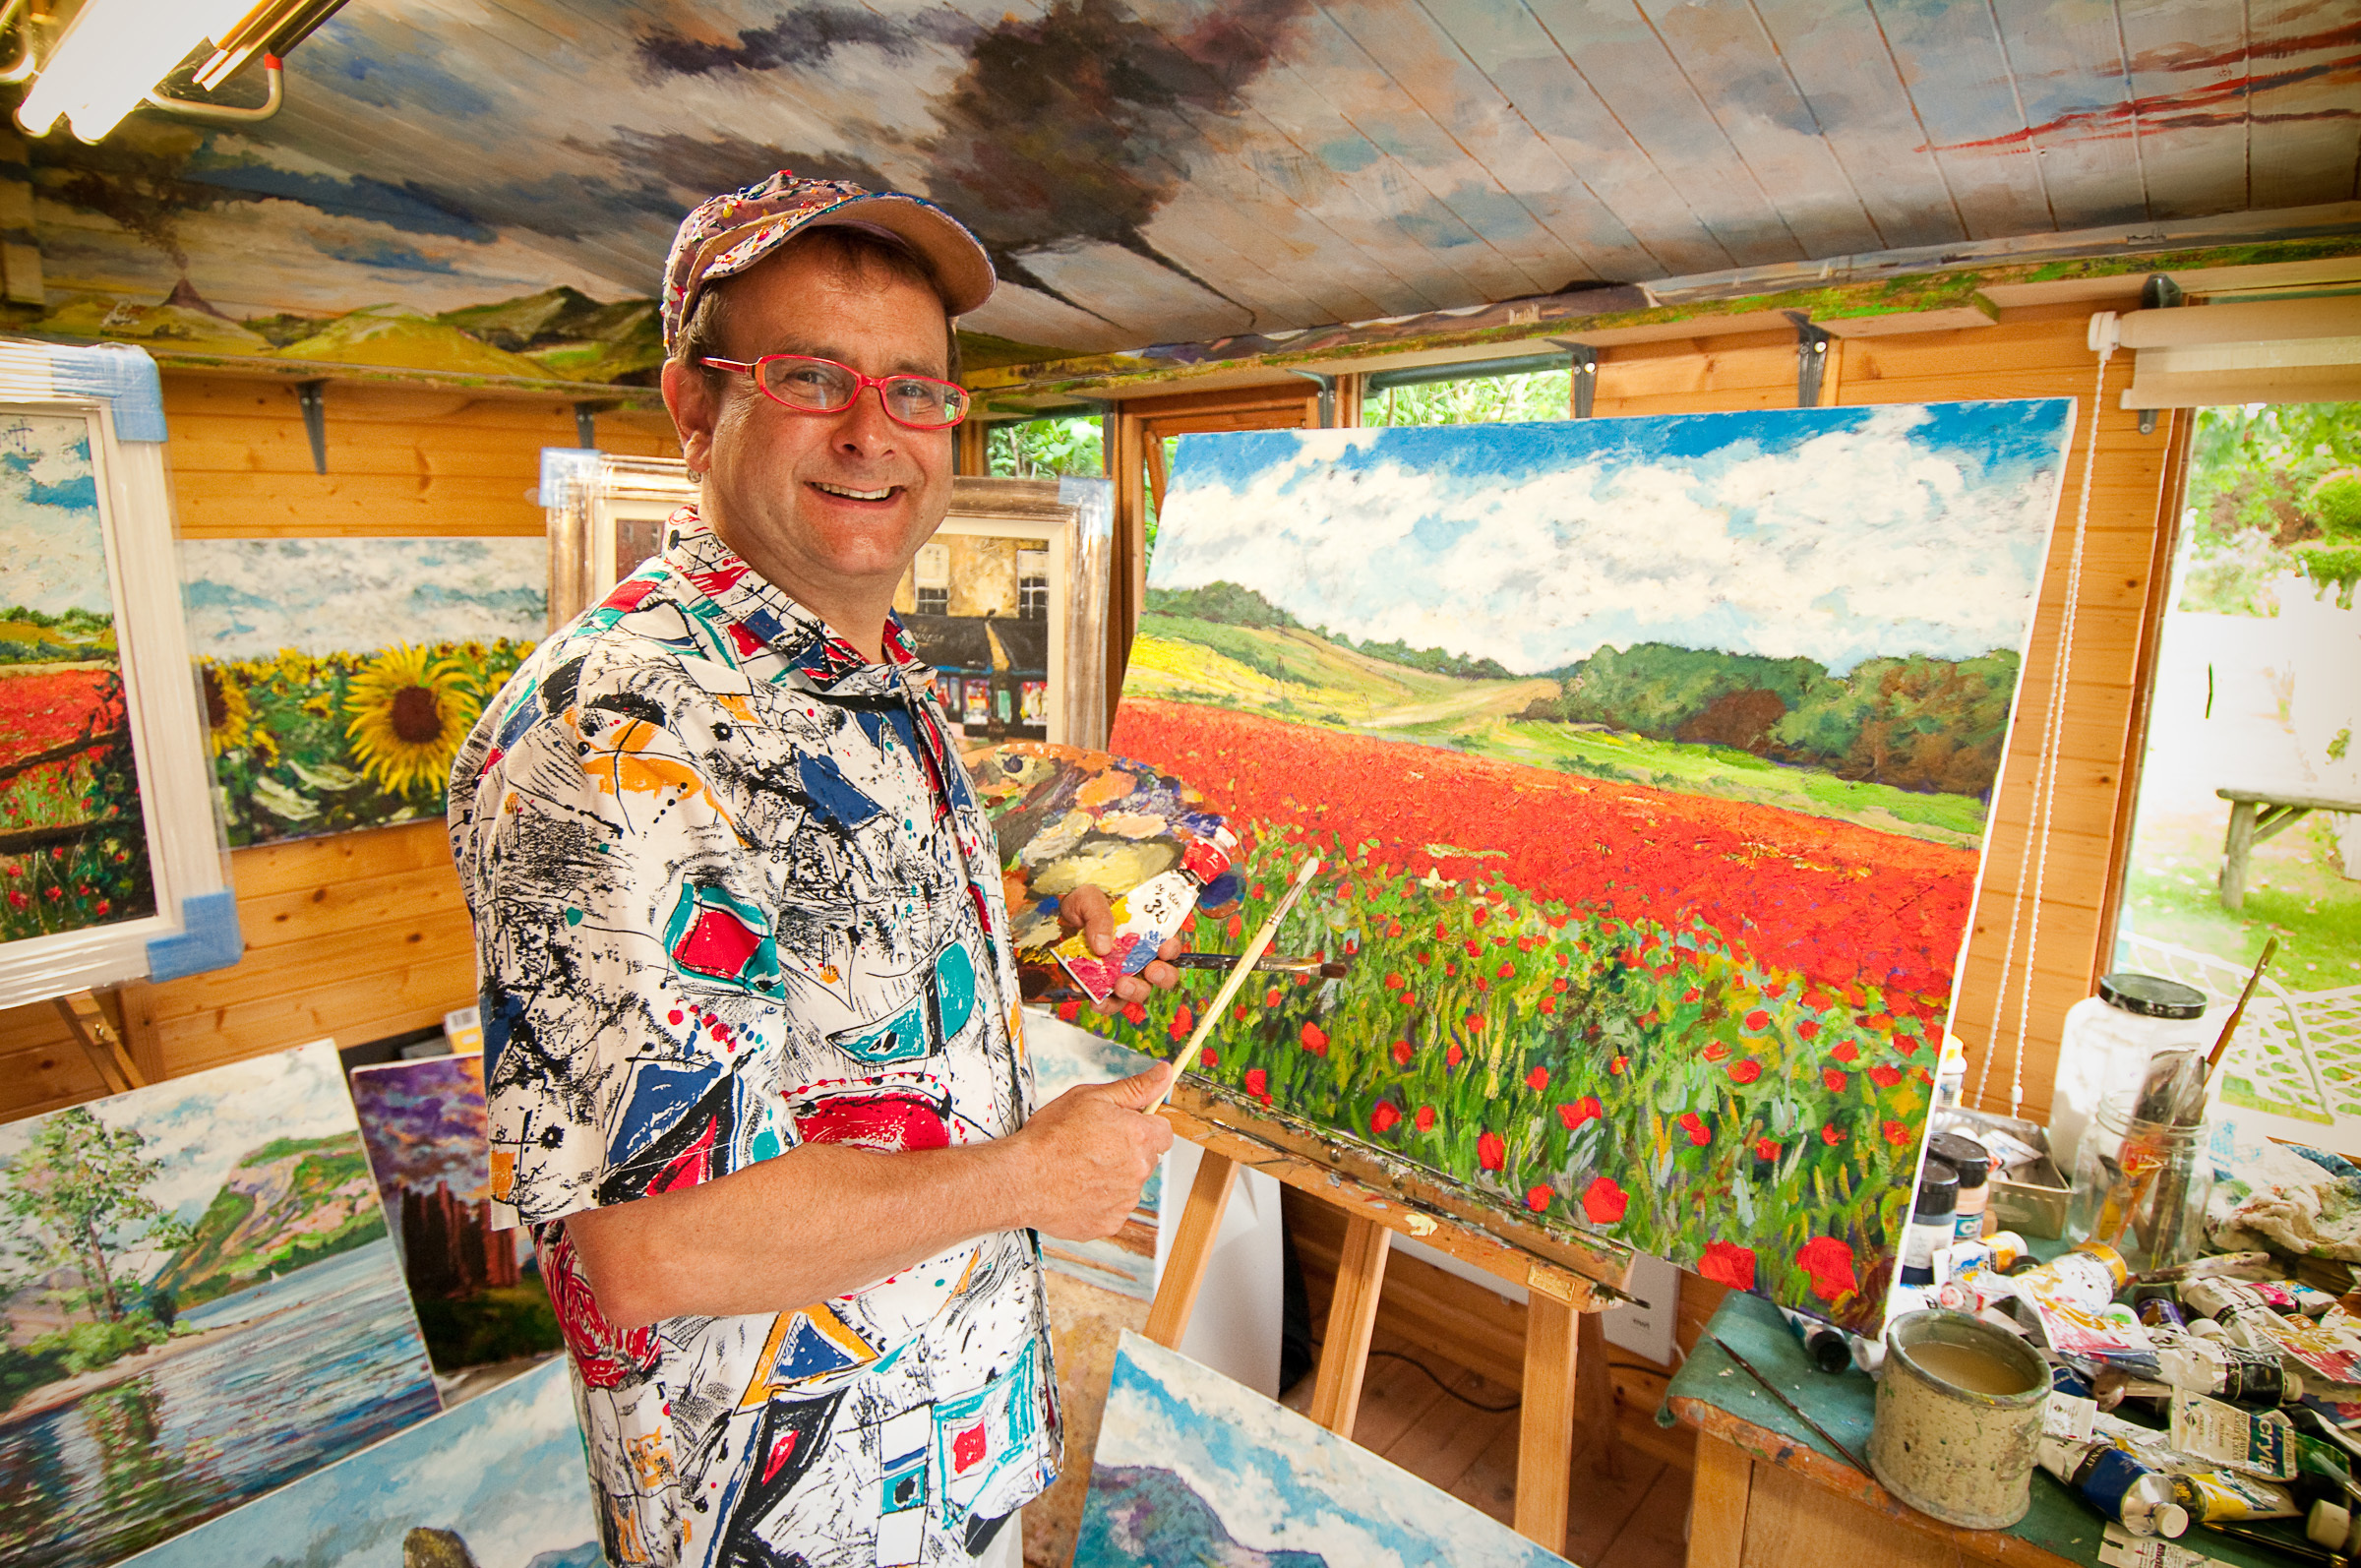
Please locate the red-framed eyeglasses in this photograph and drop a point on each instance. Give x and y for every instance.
(811, 385)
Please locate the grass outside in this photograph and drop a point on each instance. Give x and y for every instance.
(2294, 892)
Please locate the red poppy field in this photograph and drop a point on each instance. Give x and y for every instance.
(1704, 1027)
(73, 848)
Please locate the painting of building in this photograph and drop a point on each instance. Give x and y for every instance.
(979, 608)
(498, 1483)
(1652, 783)
(318, 723)
(210, 1310)
(478, 1291)
(1192, 1468)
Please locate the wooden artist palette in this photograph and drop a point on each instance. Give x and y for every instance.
(1066, 816)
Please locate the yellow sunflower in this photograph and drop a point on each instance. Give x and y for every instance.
(227, 712)
(410, 710)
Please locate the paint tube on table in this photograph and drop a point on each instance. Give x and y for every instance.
(2252, 1443)
(1824, 1343)
(2086, 1277)
(2256, 1379)
(2157, 1308)
(2116, 1484)
(2209, 1495)
(2257, 1265)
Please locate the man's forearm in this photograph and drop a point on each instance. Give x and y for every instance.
(818, 1220)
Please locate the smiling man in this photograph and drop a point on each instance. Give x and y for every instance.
(752, 1050)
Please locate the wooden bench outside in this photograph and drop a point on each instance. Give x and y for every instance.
(2256, 814)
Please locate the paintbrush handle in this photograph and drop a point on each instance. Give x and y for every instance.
(1237, 976)
(2230, 1027)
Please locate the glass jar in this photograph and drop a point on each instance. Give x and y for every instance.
(2140, 1186)
(2105, 1047)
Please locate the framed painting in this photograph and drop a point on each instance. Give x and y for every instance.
(499, 1480)
(477, 1291)
(1192, 1468)
(318, 723)
(110, 864)
(1650, 762)
(202, 1306)
(1008, 601)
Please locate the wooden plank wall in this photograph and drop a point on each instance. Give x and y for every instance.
(358, 935)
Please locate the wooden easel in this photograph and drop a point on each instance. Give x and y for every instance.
(86, 1021)
(1376, 1205)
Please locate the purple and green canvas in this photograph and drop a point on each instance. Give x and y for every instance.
(478, 1291)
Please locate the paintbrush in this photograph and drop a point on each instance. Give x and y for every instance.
(2230, 1027)
(1269, 964)
(1246, 960)
(1826, 1437)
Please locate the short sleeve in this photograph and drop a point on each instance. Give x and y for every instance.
(625, 955)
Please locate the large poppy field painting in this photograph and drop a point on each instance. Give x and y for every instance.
(1649, 760)
(341, 675)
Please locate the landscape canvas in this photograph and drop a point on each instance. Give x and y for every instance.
(323, 719)
(73, 844)
(477, 1290)
(499, 1483)
(202, 1304)
(1651, 761)
(1066, 1058)
(1192, 1468)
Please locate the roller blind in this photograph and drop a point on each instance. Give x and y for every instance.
(2263, 351)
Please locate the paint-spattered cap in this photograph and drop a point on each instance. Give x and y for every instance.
(2150, 996)
(729, 234)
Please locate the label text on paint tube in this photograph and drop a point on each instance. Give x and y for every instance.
(1144, 918)
(2257, 1444)
(2120, 1548)
(2067, 1419)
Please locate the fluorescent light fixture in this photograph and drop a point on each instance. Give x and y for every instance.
(113, 52)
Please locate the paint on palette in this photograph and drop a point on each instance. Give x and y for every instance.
(69, 781)
(214, 1312)
(1192, 1468)
(499, 1480)
(477, 1290)
(319, 725)
(1652, 780)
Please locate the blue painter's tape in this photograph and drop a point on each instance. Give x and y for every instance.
(562, 468)
(122, 374)
(211, 938)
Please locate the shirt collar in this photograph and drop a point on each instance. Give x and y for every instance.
(762, 614)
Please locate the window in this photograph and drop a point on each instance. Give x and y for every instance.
(1032, 584)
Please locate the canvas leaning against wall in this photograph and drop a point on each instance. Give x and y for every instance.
(208, 1311)
(477, 1290)
(1192, 1468)
(341, 675)
(1651, 760)
(499, 1483)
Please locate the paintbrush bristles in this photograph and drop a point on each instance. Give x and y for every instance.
(1237, 976)
(2230, 1027)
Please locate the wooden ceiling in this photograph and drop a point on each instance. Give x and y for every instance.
(1157, 170)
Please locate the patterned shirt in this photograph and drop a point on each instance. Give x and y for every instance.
(732, 893)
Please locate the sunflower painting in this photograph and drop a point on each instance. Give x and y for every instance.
(341, 675)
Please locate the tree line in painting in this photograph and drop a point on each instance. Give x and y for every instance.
(1912, 723)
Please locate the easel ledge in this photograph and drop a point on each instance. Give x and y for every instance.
(1569, 1284)
(86, 1021)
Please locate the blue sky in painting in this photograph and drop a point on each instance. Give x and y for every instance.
(198, 1128)
(1278, 1480)
(505, 1470)
(249, 598)
(1836, 534)
(52, 552)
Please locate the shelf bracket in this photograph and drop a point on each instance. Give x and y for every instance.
(312, 398)
(1811, 358)
(1584, 362)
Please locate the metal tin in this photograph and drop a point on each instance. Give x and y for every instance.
(1958, 1456)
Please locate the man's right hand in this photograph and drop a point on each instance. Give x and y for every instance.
(1091, 1150)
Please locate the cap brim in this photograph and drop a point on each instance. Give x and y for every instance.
(959, 263)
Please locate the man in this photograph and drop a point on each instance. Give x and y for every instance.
(753, 1050)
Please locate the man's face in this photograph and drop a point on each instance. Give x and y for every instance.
(833, 505)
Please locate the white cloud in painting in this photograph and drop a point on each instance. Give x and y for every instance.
(249, 598)
(1834, 534)
(52, 552)
(1277, 1480)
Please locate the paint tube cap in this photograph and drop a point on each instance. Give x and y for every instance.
(1965, 1156)
(2171, 1521)
(2327, 1524)
(2149, 996)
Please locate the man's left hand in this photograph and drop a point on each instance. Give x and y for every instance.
(1086, 910)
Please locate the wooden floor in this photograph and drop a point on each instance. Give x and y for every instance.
(1629, 1510)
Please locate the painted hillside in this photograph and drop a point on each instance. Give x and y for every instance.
(293, 1201)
